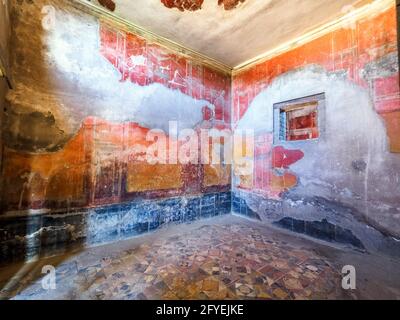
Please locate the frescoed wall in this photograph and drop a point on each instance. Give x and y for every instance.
(349, 176)
(86, 95)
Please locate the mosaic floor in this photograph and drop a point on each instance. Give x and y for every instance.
(230, 261)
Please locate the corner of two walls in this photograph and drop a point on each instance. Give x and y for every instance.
(344, 187)
(4, 57)
(87, 95)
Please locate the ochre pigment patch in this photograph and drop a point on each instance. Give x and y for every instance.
(392, 120)
(146, 177)
(283, 183)
(62, 186)
(246, 182)
(216, 175)
(37, 178)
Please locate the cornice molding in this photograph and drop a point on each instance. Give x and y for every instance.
(123, 24)
(367, 8)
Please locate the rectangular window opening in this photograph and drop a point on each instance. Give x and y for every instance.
(298, 120)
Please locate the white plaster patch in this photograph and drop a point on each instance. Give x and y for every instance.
(138, 60)
(351, 131)
(73, 48)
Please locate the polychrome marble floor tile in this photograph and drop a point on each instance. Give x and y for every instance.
(212, 261)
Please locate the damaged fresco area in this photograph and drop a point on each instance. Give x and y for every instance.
(86, 95)
(348, 177)
(194, 5)
(109, 4)
(271, 167)
(230, 4)
(182, 5)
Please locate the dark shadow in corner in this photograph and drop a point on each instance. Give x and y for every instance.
(322, 230)
(29, 240)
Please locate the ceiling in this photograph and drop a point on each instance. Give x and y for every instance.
(229, 31)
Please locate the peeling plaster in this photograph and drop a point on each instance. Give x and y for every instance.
(230, 4)
(182, 5)
(109, 4)
(350, 162)
(86, 95)
(194, 5)
(76, 81)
